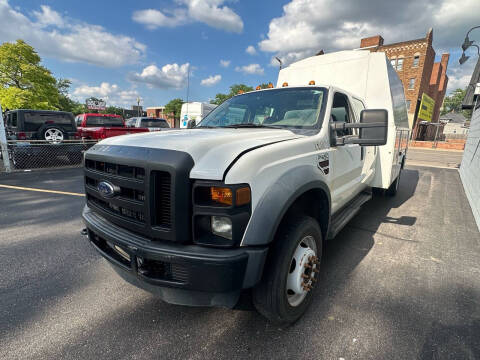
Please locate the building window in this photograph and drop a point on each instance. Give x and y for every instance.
(408, 104)
(411, 84)
(394, 63)
(400, 64)
(416, 60)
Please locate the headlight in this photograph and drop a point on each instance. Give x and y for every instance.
(222, 226)
(220, 213)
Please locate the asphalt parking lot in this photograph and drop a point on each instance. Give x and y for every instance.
(402, 281)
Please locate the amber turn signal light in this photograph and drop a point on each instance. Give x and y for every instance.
(243, 196)
(312, 82)
(270, 85)
(221, 195)
(258, 87)
(284, 84)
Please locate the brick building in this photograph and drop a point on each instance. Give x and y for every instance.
(414, 61)
(159, 112)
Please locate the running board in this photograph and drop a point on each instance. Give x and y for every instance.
(342, 217)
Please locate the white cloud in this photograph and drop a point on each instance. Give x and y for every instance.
(459, 75)
(251, 50)
(170, 76)
(303, 29)
(225, 63)
(67, 39)
(153, 18)
(48, 17)
(211, 80)
(111, 93)
(250, 69)
(209, 12)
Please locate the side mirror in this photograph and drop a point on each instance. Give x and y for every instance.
(191, 124)
(373, 128)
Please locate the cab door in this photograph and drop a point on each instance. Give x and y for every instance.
(346, 161)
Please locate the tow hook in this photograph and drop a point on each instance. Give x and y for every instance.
(84, 232)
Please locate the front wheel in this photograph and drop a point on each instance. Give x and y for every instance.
(291, 272)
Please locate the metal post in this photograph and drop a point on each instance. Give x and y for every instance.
(4, 144)
(435, 139)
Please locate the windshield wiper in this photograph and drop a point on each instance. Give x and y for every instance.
(250, 125)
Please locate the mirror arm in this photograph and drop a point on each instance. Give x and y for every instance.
(339, 126)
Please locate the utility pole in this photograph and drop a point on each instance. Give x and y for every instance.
(188, 87)
(4, 144)
(138, 106)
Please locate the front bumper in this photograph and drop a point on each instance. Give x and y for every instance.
(178, 273)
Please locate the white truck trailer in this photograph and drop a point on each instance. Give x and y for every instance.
(244, 200)
(194, 111)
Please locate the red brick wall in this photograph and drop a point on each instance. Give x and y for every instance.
(424, 74)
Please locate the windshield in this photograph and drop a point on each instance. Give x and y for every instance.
(107, 121)
(284, 108)
(152, 122)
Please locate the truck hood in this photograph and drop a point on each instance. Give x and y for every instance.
(212, 150)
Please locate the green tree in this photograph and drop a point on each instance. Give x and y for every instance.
(175, 107)
(65, 103)
(24, 83)
(234, 89)
(220, 98)
(453, 102)
(113, 110)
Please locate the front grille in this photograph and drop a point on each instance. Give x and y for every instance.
(152, 190)
(116, 169)
(117, 210)
(163, 203)
(131, 201)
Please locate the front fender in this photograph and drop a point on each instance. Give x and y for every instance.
(275, 202)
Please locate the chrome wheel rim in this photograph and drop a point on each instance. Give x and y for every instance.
(303, 269)
(53, 136)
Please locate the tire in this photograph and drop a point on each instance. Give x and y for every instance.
(53, 135)
(273, 297)
(393, 189)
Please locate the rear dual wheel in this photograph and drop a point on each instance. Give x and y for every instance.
(291, 272)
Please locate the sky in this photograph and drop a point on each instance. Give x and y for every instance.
(123, 50)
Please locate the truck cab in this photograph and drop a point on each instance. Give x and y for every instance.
(245, 199)
(101, 126)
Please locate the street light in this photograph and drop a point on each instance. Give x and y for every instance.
(469, 99)
(466, 44)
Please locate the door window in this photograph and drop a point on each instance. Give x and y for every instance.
(341, 112)
(12, 120)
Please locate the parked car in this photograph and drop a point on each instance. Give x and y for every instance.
(51, 126)
(151, 123)
(34, 126)
(102, 126)
(244, 201)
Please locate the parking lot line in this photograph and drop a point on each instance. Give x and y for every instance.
(40, 190)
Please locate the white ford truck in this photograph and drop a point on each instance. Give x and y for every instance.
(244, 200)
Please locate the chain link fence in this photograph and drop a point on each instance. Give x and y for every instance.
(35, 154)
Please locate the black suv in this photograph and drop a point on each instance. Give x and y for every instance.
(53, 127)
(48, 125)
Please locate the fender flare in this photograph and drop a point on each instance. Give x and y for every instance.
(273, 205)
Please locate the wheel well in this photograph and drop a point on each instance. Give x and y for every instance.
(312, 203)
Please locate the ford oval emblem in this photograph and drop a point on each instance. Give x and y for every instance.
(106, 189)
